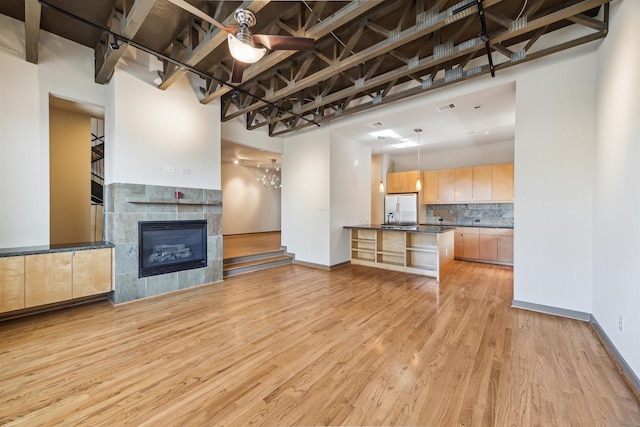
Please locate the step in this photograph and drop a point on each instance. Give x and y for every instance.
(234, 266)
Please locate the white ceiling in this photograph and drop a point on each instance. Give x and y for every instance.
(479, 118)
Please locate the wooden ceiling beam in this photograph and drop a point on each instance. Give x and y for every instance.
(32, 15)
(127, 26)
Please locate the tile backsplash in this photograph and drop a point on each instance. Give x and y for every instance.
(471, 214)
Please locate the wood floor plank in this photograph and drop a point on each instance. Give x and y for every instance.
(302, 346)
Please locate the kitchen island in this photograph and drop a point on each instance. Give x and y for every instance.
(424, 250)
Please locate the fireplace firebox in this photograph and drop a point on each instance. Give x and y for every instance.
(169, 246)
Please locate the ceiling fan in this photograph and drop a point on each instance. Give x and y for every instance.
(242, 43)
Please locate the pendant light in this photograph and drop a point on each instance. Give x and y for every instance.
(380, 138)
(418, 183)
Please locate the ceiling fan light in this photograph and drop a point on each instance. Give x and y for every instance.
(243, 52)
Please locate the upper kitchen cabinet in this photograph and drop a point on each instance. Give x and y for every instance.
(446, 185)
(429, 187)
(463, 184)
(394, 182)
(477, 184)
(402, 182)
(482, 186)
(502, 182)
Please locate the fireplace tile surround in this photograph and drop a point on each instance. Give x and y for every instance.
(128, 204)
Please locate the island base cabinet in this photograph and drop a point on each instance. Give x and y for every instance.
(426, 254)
(11, 283)
(47, 278)
(363, 245)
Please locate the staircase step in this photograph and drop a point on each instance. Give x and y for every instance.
(234, 266)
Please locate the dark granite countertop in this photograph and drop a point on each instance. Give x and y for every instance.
(45, 249)
(407, 228)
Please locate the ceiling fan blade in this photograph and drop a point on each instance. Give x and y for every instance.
(200, 14)
(284, 42)
(238, 70)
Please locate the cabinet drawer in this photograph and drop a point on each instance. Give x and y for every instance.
(467, 230)
(496, 231)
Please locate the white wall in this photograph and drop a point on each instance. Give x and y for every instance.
(486, 154)
(554, 159)
(616, 280)
(306, 195)
(235, 130)
(248, 207)
(24, 125)
(150, 129)
(325, 185)
(350, 193)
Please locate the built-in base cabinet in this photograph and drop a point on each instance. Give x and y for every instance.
(11, 283)
(35, 280)
(427, 254)
(494, 245)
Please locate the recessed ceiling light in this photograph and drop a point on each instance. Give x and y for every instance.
(486, 132)
(375, 124)
(406, 144)
(387, 133)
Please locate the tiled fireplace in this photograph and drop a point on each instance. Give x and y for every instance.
(126, 205)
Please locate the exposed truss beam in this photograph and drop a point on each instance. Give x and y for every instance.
(421, 29)
(127, 24)
(32, 14)
(316, 31)
(337, 104)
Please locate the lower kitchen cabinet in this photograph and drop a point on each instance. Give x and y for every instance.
(494, 245)
(467, 243)
(11, 283)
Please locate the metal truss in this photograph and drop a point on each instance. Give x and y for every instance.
(369, 62)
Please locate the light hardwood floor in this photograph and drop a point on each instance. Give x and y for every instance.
(239, 245)
(300, 346)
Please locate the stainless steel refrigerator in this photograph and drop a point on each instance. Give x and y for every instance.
(401, 209)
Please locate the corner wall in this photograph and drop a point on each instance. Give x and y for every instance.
(616, 249)
(553, 200)
(65, 70)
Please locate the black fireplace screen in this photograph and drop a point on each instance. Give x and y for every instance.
(168, 246)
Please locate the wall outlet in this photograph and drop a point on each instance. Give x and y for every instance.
(169, 169)
(621, 323)
(185, 171)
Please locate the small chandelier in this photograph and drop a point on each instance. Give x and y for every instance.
(271, 177)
